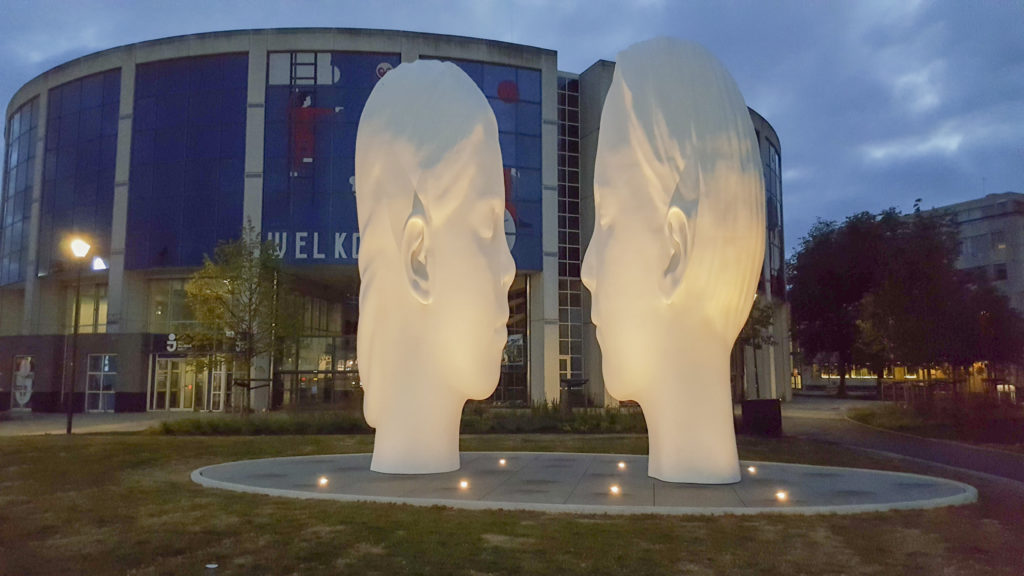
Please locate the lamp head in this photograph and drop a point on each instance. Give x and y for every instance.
(79, 247)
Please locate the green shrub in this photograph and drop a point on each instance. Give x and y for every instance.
(478, 418)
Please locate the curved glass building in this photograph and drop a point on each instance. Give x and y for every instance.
(157, 151)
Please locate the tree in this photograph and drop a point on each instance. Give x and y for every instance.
(756, 333)
(243, 304)
(829, 276)
(881, 289)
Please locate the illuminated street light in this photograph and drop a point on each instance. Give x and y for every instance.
(79, 250)
(79, 247)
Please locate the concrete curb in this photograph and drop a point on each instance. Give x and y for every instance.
(968, 495)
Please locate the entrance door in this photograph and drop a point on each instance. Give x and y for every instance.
(176, 386)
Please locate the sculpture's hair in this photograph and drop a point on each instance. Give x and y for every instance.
(421, 138)
(420, 133)
(691, 131)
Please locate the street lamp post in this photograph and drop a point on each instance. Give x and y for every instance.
(80, 249)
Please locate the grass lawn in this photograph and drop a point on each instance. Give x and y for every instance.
(124, 504)
(999, 429)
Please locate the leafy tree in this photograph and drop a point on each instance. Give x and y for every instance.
(829, 276)
(882, 289)
(756, 334)
(244, 306)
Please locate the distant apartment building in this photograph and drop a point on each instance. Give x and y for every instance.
(992, 240)
(991, 233)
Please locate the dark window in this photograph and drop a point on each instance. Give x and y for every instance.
(15, 201)
(999, 271)
(188, 159)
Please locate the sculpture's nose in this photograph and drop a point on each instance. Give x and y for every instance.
(587, 272)
(508, 268)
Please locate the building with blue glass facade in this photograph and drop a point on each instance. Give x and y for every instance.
(157, 151)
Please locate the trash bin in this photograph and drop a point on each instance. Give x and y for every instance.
(762, 417)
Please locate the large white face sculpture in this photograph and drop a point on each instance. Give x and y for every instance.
(677, 248)
(434, 265)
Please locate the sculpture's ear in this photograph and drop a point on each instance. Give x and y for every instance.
(677, 230)
(415, 252)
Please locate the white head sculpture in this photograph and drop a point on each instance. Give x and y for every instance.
(434, 265)
(677, 248)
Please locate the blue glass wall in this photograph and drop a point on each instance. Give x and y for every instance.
(19, 166)
(78, 168)
(514, 94)
(188, 159)
(313, 105)
(314, 101)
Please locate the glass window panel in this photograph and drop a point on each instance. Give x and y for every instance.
(529, 85)
(500, 81)
(507, 142)
(528, 119)
(278, 68)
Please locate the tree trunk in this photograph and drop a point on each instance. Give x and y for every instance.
(757, 379)
(841, 392)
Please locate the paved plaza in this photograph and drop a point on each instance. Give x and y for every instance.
(588, 483)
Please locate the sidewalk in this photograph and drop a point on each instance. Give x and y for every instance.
(39, 423)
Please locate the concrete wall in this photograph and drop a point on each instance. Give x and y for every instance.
(594, 84)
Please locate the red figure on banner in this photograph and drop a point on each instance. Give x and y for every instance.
(302, 119)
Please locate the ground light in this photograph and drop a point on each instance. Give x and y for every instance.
(502, 462)
(322, 481)
(622, 465)
(463, 484)
(615, 489)
(752, 469)
(782, 495)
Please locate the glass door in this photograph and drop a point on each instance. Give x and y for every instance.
(177, 386)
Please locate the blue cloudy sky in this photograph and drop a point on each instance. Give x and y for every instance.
(876, 102)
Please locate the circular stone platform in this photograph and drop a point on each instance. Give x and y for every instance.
(588, 483)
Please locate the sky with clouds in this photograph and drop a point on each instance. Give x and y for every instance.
(876, 103)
